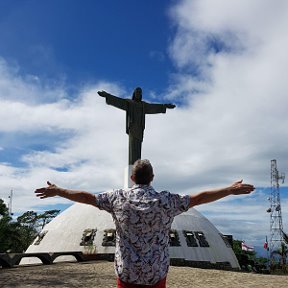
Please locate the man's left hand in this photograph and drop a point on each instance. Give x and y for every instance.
(238, 188)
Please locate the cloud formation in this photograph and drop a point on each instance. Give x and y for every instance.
(237, 97)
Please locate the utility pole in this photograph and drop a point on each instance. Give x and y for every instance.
(276, 226)
(10, 203)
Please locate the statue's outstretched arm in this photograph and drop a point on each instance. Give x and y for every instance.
(103, 93)
(170, 106)
(152, 108)
(114, 100)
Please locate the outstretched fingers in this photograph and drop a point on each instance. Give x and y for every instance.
(40, 192)
(42, 195)
(46, 192)
(246, 188)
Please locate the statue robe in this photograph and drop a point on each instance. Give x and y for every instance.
(135, 121)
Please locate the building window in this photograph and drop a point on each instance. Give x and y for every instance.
(174, 238)
(40, 237)
(190, 239)
(228, 239)
(88, 237)
(201, 239)
(109, 238)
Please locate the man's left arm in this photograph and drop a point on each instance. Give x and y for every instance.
(237, 188)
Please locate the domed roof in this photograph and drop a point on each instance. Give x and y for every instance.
(194, 240)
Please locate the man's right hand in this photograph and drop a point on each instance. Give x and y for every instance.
(45, 192)
(78, 196)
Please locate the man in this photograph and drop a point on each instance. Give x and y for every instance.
(136, 109)
(143, 218)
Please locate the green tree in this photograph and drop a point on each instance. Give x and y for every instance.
(262, 260)
(16, 236)
(27, 228)
(237, 247)
(9, 231)
(245, 258)
(282, 252)
(3, 209)
(31, 224)
(46, 217)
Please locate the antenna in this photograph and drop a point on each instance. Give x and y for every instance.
(10, 203)
(276, 226)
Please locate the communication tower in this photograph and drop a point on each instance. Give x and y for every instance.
(276, 226)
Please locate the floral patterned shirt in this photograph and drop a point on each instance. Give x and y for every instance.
(143, 219)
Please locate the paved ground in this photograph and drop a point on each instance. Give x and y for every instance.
(101, 274)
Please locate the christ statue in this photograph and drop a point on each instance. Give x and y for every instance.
(136, 109)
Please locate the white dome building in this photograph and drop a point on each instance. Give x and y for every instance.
(194, 241)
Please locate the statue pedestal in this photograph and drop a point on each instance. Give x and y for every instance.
(128, 183)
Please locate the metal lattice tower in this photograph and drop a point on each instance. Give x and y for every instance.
(276, 226)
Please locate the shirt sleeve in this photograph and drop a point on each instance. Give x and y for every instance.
(178, 203)
(104, 201)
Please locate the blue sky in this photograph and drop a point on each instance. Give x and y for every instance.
(89, 41)
(224, 63)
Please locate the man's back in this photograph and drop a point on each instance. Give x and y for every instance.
(143, 218)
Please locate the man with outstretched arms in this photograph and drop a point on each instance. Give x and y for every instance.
(143, 218)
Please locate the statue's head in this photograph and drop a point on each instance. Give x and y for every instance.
(137, 94)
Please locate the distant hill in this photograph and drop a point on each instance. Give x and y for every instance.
(260, 251)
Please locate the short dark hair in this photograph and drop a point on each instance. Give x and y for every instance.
(142, 172)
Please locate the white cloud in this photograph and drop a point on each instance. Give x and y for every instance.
(238, 107)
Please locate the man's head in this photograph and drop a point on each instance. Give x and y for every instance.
(142, 172)
(137, 94)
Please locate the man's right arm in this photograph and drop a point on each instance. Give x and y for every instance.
(77, 196)
(237, 188)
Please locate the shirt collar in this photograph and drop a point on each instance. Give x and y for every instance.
(143, 186)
